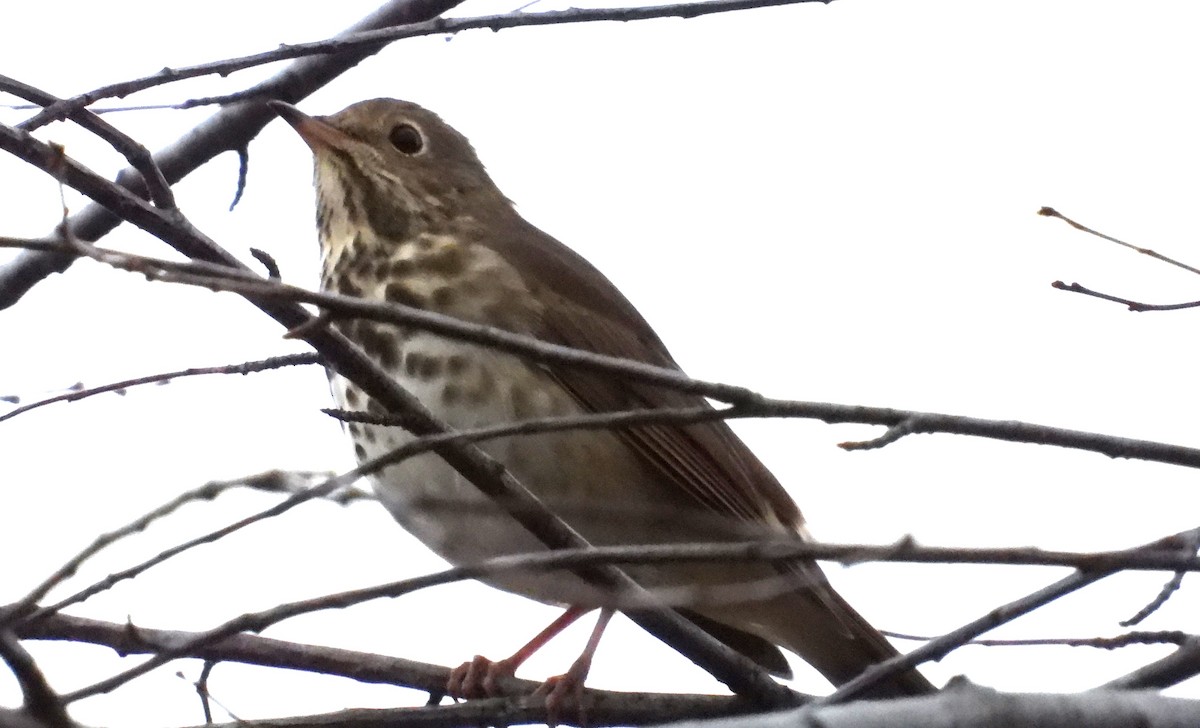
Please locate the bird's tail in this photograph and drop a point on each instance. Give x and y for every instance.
(821, 627)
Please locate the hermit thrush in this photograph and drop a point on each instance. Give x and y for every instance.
(407, 213)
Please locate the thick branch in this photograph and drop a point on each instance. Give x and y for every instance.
(605, 707)
(969, 706)
(41, 702)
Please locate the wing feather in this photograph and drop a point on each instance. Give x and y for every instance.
(586, 311)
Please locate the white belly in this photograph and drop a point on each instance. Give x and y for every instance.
(449, 514)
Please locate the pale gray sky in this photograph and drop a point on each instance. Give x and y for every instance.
(830, 203)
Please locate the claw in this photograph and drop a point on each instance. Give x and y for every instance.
(482, 678)
(496, 674)
(563, 692)
(479, 678)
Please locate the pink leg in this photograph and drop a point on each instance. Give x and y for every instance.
(480, 677)
(562, 690)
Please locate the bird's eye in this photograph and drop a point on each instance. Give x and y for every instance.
(406, 138)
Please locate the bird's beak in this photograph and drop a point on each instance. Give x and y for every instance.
(317, 133)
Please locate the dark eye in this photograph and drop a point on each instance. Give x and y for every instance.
(406, 138)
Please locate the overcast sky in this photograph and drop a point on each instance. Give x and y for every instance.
(832, 203)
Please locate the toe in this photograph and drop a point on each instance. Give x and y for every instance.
(495, 676)
(563, 693)
(467, 680)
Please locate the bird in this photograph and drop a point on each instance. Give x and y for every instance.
(407, 213)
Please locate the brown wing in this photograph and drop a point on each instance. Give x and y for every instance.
(707, 461)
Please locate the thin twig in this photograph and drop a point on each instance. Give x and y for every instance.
(373, 41)
(201, 686)
(137, 155)
(420, 445)
(914, 422)
(900, 422)
(1128, 303)
(208, 491)
(1164, 594)
(290, 482)
(250, 367)
(1132, 305)
(258, 621)
(228, 129)
(1093, 567)
(1174, 637)
(44, 245)
(938, 648)
(1051, 212)
(267, 261)
(1180, 665)
(603, 709)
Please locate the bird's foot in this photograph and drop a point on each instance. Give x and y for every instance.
(484, 678)
(565, 692)
(480, 678)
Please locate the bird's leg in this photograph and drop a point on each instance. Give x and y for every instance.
(562, 690)
(480, 678)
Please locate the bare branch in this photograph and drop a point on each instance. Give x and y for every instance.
(603, 709)
(290, 482)
(138, 156)
(1164, 594)
(1180, 665)
(1097, 567)
(1129, 303)
(1174, 637)
(46, 245)
(1051, 212)
(258, 621)
(368, 42)
(436, 442)
(208, 491)
(227, 130)
(41, 702)
(201, 686)
(964, 705)
(614, 707)
(267, 261)
(899, 422)
(334, 485)
(940, 647)
(250, 367)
